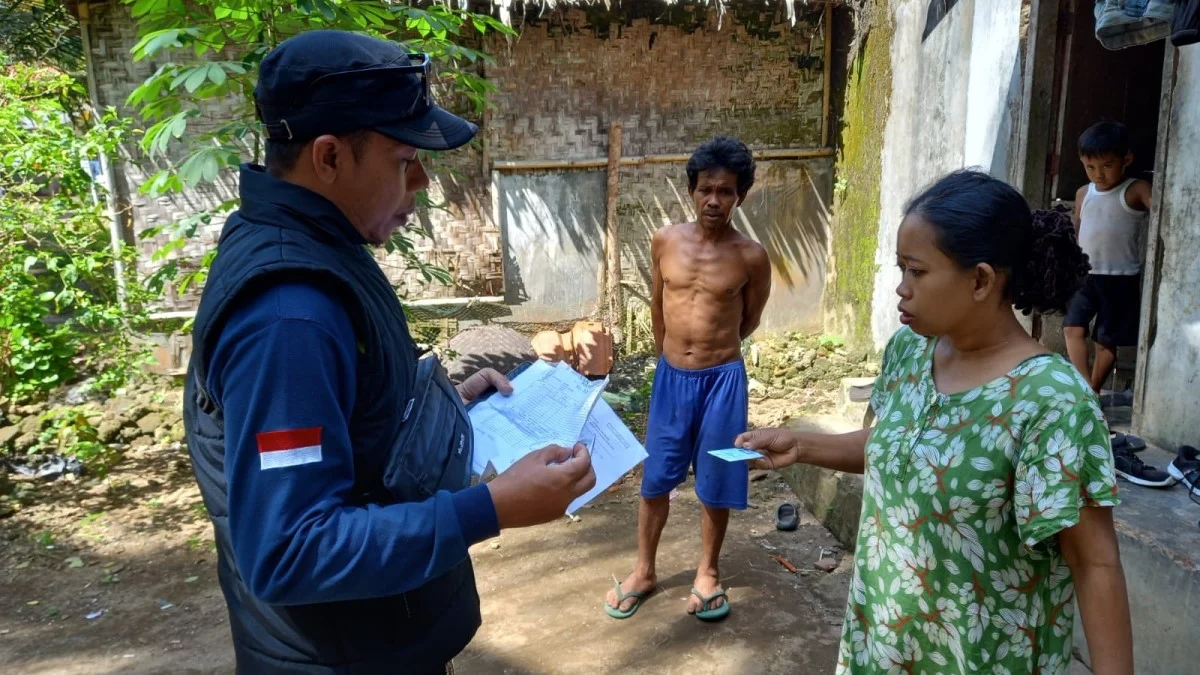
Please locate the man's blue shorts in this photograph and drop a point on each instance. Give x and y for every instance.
(692, 412)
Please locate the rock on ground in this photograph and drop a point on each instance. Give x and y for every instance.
(496, 347)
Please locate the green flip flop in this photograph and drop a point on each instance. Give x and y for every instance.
(716, 613)
(617, 612)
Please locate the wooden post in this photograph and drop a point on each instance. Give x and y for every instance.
(1040, 91)
(1042, 86)
(611, 304)
(485, 159)
(1152, 269)
(826, 85)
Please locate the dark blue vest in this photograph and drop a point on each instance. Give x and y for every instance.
(408, 430)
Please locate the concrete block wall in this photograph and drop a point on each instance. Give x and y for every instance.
(1170, 407)
(955, 98)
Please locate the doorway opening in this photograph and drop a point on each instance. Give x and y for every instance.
(1094, 84)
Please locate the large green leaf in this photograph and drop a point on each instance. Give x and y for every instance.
(159, 136)
(205, 164)
(157, 41)
(197, 77)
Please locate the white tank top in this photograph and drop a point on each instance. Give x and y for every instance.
(1110, 231)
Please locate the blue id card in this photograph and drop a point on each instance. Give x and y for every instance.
(735, 454)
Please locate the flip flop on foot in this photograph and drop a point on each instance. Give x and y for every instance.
(638, 598)
(705, 613)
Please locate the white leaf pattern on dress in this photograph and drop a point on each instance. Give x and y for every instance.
(956, 551)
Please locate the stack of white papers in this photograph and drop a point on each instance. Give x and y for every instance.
(553, 405)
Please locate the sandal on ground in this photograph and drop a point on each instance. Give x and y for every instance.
(1126, 443)
(786, 518)
(616, 612)
(716, 613)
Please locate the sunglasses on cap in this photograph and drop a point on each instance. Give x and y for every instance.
(420, 64)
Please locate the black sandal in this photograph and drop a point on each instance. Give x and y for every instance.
(1124, 443)
(786, 518)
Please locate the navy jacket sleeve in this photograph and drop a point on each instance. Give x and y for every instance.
(283, 372)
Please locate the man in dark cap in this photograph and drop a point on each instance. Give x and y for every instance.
(333, 460)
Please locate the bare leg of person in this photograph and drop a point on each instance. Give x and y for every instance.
(713, 523)
(1105, 358)
(1077, 350)
(652, 518)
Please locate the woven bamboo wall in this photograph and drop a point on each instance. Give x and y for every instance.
(671, 85)
(669, 75)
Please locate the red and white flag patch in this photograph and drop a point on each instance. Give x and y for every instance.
(290, 447)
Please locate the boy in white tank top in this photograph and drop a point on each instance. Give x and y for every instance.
(1110, 217)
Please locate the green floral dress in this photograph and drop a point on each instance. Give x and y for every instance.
(957, 569)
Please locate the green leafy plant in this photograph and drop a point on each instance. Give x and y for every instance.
(831, 343)
(67, 432)
(839, 187)
(199, 512)
(60, 314)
(91, 519)
(210, 50)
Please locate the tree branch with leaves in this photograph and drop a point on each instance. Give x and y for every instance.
(210, 50)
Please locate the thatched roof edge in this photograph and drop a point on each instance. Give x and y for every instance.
(504, 8)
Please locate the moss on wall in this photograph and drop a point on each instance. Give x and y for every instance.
(859, 164)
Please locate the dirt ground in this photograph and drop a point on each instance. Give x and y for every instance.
(133, 552)
(118, 575)
(543, 594)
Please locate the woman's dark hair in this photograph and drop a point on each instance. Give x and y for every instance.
(979, 219)
(723, 152)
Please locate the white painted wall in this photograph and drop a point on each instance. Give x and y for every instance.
(1170, 413)
(955, 97)
(994, 87)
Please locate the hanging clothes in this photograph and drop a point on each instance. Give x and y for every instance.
(1127, 23)
(1185, 27)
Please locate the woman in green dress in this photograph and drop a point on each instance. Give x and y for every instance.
(988, 478)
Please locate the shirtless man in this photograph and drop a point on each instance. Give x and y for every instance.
(710, 286)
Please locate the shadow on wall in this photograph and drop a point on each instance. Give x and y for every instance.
(787, 211)
(1006, 133)
(937, 10)
(789, 216)
(553, 238)
(652, 197)
(455, 232)
(539, 206)
(515, 291)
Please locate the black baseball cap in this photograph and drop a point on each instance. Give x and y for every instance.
(338, 82)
